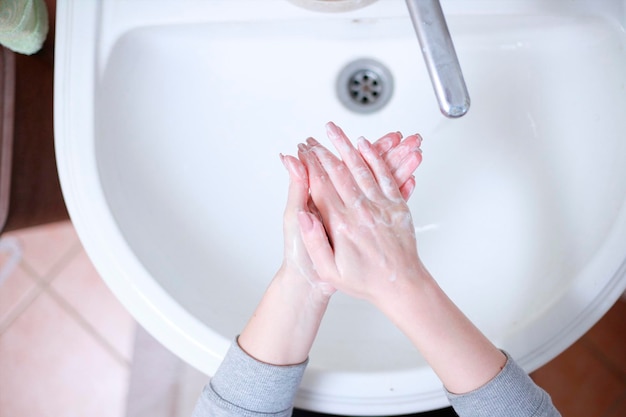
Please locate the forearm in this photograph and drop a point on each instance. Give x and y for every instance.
(463, 358)
(284, 325)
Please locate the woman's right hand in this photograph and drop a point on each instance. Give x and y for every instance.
(371, 253)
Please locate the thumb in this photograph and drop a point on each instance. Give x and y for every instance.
(317, 245)
(407, 188)
(298, 194)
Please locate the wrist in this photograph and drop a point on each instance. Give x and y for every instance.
(460, 354)
(299, 288)
(286, 321)
(405, 290)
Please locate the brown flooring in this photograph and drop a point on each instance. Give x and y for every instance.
(589, 378)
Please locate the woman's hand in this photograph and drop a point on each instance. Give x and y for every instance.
(366, 247)
(296, 261)
(364, 216)
(400, 156)
(284, 324)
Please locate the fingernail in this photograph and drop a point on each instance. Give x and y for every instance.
(363, 144)
(302, 147)
(306, 224)
(294, 168)
(332, 129)
(312, 142)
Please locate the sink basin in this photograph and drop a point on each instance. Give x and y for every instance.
(170, 118)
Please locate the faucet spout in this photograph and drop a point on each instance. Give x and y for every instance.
(440, 57)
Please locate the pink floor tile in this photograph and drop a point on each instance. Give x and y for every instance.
(81, 286)
(15, 292)
(50, 366)
(15, 284)
(44, 246)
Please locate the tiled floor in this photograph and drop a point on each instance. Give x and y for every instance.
(66, 343)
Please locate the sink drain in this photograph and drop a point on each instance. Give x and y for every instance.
(364, 86)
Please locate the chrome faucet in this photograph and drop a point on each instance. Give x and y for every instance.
(440, 56)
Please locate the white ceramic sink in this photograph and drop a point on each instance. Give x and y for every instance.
(170, 117)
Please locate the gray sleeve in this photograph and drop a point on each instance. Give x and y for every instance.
(511, 393)
(243, 386)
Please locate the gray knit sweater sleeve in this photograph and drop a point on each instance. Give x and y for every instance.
(511, 393)
(243, 386)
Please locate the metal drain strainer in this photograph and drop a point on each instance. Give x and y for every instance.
(364, 86)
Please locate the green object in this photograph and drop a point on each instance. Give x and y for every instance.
(23, 25)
